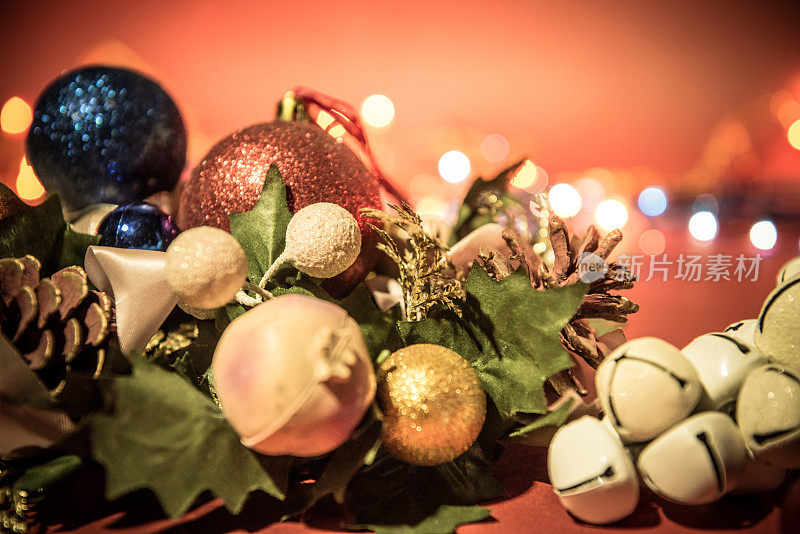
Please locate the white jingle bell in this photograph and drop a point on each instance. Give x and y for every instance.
(759, 477)
(591, 472)
(722, 362)
(789, 270)
(768, 413)
(778, 328)
(645, 386)
(744, 330)
(697, 461)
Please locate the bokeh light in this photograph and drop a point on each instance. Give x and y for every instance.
(793, 134)
(431, 206)
(377, 110)
(653, 201)
(495, 148)
(530, 177)
(764, 235)
(707, 202)
(611, 214)
(565, 201)
(28, 185)
(16, 116)
(454, 167)
(703, 226)
(652, 242)
(591, 190)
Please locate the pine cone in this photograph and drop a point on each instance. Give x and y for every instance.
(56, 323)
(599, 303)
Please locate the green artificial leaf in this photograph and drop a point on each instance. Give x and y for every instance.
(394, 494)
(378, 328)
(262, 230)
(35, 480)
(165, 435)
(341, 465)
(555, 418)
(41, 232)
(443, 520)
(468, 217)
(509, 333)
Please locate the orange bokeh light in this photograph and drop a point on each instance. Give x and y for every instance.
(652, 242)
(793, 134)
(16, 116)
(28, 185)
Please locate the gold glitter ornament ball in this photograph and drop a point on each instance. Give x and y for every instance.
(205, 267)
(315, 168)
(433, 404)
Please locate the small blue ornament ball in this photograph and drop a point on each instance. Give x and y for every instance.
(138, 225)
(106, 135)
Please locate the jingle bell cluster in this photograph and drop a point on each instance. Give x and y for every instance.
(720, 416)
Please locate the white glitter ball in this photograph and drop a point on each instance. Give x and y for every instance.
(322, 240)
(205, 267)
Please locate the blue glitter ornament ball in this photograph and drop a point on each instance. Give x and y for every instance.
(137, 225)
(103, 134)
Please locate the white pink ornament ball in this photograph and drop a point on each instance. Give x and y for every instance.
(205, 267)
(293, 376)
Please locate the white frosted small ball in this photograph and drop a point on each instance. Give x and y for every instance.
(322, 240)
(645, 386)
(293, 376)
(777, 333)
(768, 414)
(205, 267)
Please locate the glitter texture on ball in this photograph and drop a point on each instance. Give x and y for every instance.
(433, 404)
(314, 167)
(106, 135)
(322, 240)
(205, 267)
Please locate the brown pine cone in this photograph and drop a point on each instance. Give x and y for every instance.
(56, 323)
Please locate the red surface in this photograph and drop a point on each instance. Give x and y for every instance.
(674, 310)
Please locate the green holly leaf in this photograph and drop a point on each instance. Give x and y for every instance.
(378, 328)
(41, 232)
(510, 334)
(37, 479)
(164, 435)
(341, 465)
(262, 230)
(391, 494)
(555, 419)
(468, 217)
(442, 521)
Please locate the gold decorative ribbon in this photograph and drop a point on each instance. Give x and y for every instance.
(135, 279)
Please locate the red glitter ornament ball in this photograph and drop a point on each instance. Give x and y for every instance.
(315, 168)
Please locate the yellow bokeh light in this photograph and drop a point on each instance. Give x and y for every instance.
(377, 110)
(337, 131)
(16, 116)
(431, 206)
(28, 185)
(793, 134)
(525, 175)
(565, 201)
(454, 167)
(611, 214)
(324, 119)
